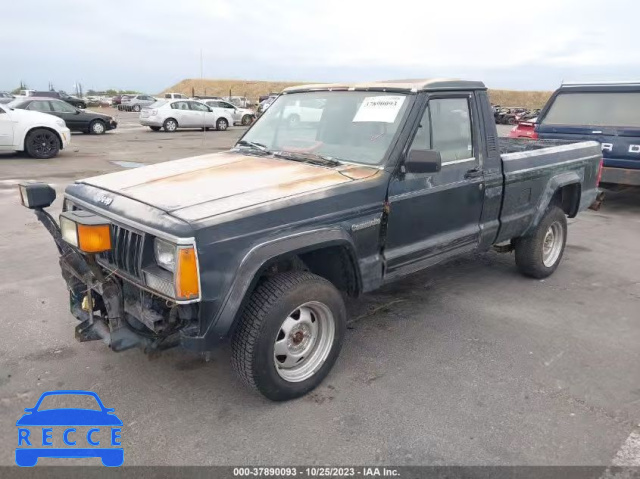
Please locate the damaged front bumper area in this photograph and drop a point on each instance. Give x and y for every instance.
(116, 310)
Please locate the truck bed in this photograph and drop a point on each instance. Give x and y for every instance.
(516, 145)
(534, 169)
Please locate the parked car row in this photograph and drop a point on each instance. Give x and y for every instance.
(512, 115)
(75, 118)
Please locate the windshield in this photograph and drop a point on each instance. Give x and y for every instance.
(596, 108)
(352, 126)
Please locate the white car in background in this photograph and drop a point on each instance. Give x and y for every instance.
(305, 111)
(174, 114)
(40, 135)
(241, 116)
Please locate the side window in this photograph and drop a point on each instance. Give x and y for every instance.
(167, 95)
(180, 105)
(422, 140)
(40, 106)
(451, 128)
(62, 107)
(198, 106)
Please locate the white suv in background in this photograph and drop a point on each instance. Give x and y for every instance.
(241, 116)
(39, 134)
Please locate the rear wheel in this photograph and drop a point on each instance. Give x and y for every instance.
(539, 254)
(97, 127)
(290, 335)
(222, 124)
(170, 125)
(41, 143)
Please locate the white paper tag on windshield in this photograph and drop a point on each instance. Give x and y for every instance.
(379, 108)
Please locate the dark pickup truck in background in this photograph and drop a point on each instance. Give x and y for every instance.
(608, 113)
(259, 244)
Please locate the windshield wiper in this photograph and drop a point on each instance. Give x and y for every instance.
(254, 145)
(307, 158)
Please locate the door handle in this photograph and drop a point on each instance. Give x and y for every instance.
(473, 173)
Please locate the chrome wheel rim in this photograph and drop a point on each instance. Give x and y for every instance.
(98, 128)
(171, 125)
(222, 125)
(304, 341)
(552, 244)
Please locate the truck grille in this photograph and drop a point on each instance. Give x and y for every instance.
(126, 251)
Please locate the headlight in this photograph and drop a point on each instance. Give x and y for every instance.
(87, 232)
(60, 122)
(182, 262)
(165, 254)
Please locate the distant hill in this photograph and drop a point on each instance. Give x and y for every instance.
(253, 89)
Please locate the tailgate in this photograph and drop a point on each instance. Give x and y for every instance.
(620, 146)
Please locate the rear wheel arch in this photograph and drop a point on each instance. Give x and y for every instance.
(567, 197)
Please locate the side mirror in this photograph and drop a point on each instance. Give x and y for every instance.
(78, 111)
(423, 161)
(36, 195)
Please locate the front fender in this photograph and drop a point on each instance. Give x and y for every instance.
(248, 272)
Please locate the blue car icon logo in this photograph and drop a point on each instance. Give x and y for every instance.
(74, 428)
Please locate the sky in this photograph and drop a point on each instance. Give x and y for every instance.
(149, 45)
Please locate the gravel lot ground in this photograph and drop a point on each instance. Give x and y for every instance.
(467, 363)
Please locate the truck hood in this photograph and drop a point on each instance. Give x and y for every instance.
(209, 185)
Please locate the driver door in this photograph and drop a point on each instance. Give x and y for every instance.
(202, 115)
(68, 113)
(435, 215)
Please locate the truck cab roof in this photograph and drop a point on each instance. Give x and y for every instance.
(410, 86)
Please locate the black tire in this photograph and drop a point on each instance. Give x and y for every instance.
(253, 342)
(155, 128)
(222, 124)
(136, 108)
(247, 120)
(530, 250)
(82, 106)
(170, 125)
(511, 120)
(42, 143)
(97, 127)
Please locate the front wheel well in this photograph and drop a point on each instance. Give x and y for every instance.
(26, 135)
(335, 263)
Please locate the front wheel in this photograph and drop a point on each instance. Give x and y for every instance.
(539, 254)
(222, 124)
(290, 335)
(41, 143)
(97, 127)
(247, 120)
(136, 108)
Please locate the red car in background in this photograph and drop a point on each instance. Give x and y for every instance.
(525, 129)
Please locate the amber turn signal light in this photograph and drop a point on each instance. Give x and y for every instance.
(187, 281)
(86, 231)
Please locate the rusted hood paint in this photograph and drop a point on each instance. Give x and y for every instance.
(213, 184)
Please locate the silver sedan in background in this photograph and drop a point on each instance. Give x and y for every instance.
(173, 114)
